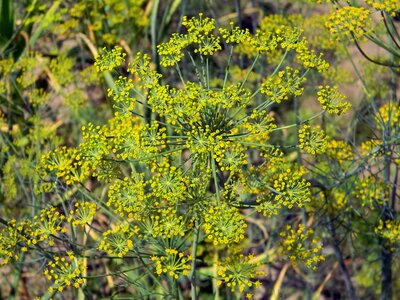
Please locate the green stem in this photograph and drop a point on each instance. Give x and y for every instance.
(192, 274)
(214, 170)
(302, 122)
(249, 71)
(228, 66)
(273, 73)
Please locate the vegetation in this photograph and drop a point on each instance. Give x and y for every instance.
(178, 150)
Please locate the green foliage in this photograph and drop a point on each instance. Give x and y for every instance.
(228, 153)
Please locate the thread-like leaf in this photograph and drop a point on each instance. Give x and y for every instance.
(6, 21)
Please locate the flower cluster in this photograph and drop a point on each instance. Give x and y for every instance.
(46, 225)
(82, 214)
(141, 68)
(332, 100)
(168, 184)
(389, 6)
(259, 124)
(370, 191)
(178, 155)
(339, 151)
(349, 22)
(108, 60)
(338, 201)
(294, 245)
(127, 197)
(277, 183)
(118, 241)
(388, 115)
(224, 225)
(286, 83)
(372, 148)
(239, 272)
(12, 237)
(63, 163)
(199, 33)
(390, 230)
(267, 39)
(309, 58)
(65, 271)
(165, 223)
(121, 94)
(173, 263)
(285, 186)
(312, 140)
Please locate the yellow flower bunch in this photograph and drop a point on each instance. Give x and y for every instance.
(180, 157)
(118, 241)
(65, 271)
(173, 263)
(64, 163)
(332, 100)
(259, 125)
(46, 225)
(349, 22)
(239, 272)
(122, 95)
(223, 225)
(389, 229)
(285, 187)
(312, 140)
(296, 246)
(168, 185)
(286, 83)
(165, 223)
(127, 197)
(82, 214)
(339, 201)
(108, 60)
(371, 191)
(388, 114)
(13, 238)
(372, 148)
(389, 6)
(339, 151)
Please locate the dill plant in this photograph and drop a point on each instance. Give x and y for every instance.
(181, 180)
(360, 185)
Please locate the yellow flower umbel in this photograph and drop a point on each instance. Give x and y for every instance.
(165, 223)
(65, 271)
(277, 183)
(173, 263)
(286, 83)
(294, 244)
(13, 237)
(82, 214)
(332, 100)
(239, 272)
(224, 225)
(168, 185)
(312, 140)
(349, 22)
(371, 191)
(390, 230)
(127, 197)
(108, 60)
(389, 115)
(339, 151)
(118, 241)
(389, 6)
(287, 189)
(64, 163)
(47, 225)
